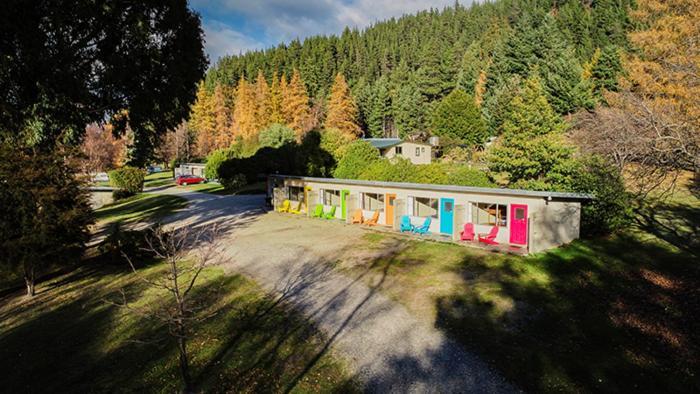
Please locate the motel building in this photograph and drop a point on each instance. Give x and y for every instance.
(528, 221)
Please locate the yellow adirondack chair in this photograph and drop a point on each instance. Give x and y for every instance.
(297, 210)
(286, 205)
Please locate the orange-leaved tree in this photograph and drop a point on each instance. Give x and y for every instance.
(342, 110)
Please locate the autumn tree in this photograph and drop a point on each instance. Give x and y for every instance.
(276, 99)
(178, 145)
(245, 123)
(221, 110)
(203, 122)
(342, 110)
(100, 150)
(295, 104)
(263, 111)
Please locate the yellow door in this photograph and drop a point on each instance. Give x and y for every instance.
(389, 210)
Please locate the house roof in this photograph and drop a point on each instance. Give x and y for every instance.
(448, 188)
(381, 143)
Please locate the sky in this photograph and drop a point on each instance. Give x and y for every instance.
(236, 26)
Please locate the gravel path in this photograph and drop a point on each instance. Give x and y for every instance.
(388, 349)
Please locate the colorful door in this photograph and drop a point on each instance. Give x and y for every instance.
(343, 195)
(389, 210)
(447, 206)
(518, 224)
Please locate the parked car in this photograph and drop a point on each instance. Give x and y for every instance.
(189, 180)
(154, 169)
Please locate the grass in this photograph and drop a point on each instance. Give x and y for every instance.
(158, 179)
(608, 314)
(72, 338)
(216, 188)
(143, 206)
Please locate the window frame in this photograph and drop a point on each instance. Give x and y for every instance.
(291, 196)
(417, 151)
(332, 192)
(500, 218)
(380, 197)
(414, 206)
(398, 150)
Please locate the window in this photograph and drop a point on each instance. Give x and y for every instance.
(295, 193)
(489, 214)
(422, 149)
(330, 197)
(417, 151)
(519, 213)
(424, 207)
(373, 202)
(399, 150)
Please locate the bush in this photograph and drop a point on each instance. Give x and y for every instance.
(611, 208)
(466, 176)
(335, 142)
(128, 178)
(120, 194)
(276, 135)
(214, 161)
(120, 242)
(234, 182)
(359, 155)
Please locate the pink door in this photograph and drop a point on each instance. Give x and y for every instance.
(518, 224)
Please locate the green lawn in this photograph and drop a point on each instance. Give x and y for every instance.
(143, 206)
(216, 188)
(157, 179)
(610, 314)
(70, 338)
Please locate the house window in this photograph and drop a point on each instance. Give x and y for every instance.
(422, 149)
(399, 150)
(519, 213)
(330, 197)
(490, 214)
(295, 193)
(417, 151)
(424, 207)
(373, 202)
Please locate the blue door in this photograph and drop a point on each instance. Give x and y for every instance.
(447, 206)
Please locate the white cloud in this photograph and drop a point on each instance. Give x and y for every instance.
(220, 39)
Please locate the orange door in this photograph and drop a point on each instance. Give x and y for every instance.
(389, 210)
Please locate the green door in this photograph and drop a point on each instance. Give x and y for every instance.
(343, 194)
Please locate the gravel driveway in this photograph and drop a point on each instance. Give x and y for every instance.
(388, 349)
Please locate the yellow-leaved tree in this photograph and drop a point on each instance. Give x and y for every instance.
(295, 104)
(244, 112)
(276, 100)
(222, 117)
(202, 121)
(263, 111)
(342, 110)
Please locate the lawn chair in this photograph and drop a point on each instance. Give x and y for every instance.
(489, 238)
(331, 214)
(297, 210)
(318, 211)
(357, 217)
(425, 228)
(468, 233)
(374, 220)
(406, 223)
(285, 206)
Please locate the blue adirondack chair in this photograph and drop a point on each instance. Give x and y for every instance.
(424, 228)
(406, 223)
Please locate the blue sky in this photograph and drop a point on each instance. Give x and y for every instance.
(235, 26)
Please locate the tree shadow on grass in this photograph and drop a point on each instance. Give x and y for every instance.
(677, 224)
(607, 315)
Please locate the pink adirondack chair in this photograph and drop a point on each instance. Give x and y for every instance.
(468, 233)
(490, 237)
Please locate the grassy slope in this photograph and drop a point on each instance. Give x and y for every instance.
(164, 178)
(608, 314)
(72, 338)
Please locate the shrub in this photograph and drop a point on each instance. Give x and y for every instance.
(276, 135)
(120, 243)
(128, 178)
(457, 116)
(467, 176)
(214, 161)
(120, 194)
(234, 182)
(358, 156)
(335, 142)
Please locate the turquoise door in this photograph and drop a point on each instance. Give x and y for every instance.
(447, 206)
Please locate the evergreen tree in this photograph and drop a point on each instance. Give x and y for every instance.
(408, 109)
(457, 116)
(295, 104)
(497, 104)
(244, 112)
(342, 110)
(276, 135)
(603, 70)
(531, 152)
(379, 119)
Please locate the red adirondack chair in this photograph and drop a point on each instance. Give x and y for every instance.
(490, 237)
(468, 233)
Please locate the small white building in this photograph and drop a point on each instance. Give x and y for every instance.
(196, 169)
(416, 152)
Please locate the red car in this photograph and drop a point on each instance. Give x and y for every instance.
(189, 180)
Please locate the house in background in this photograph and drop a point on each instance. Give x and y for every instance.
(196, 169)
(416, 152)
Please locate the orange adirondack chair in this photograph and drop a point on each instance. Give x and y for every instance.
(357, 217)
(490, 237)
(374, 220)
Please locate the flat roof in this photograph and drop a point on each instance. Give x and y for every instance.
(445, 188)
(381, 143)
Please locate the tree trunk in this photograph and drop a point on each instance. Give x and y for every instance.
(184, 364)
(29, 281)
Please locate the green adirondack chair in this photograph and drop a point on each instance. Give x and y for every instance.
(331, 213)
(318, 211)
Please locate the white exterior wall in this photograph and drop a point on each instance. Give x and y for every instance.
(408, 151)
(551, 223)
